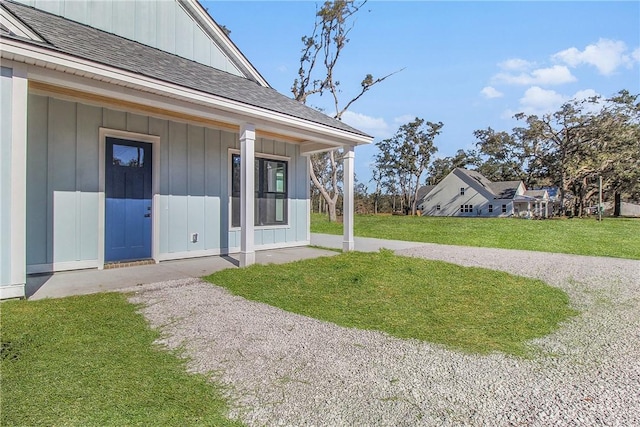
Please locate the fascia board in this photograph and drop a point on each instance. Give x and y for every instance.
(17, 26)
(30, 54)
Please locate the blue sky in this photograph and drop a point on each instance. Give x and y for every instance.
(470, 65)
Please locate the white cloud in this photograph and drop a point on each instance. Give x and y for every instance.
(540, 101)
(556, 75)
(374, 126)
(635, 55)
(585, 94)
(516, 64)
(491, 92)
(403, 120)
(606, 55)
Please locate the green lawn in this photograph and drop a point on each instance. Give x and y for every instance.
(91, 361)
(471, 309)
(613, 237)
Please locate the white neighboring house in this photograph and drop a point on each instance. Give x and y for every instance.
(468, 193)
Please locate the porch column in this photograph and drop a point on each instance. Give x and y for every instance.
(247, 194)
(347, 199)
(12, 284)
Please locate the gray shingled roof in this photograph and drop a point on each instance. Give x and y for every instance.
(538, 194)
(500, 189)
(91, 44)
(424, 190)
(505, 189)
(481, 179)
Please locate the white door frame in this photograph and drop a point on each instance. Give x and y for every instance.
(155, 182)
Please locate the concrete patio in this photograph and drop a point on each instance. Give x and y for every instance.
(80, 282)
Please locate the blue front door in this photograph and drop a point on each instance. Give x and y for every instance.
(128, 192)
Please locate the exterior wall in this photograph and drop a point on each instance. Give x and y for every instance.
(193, 169)
(162, 24)
(447, 195)
(5, 175)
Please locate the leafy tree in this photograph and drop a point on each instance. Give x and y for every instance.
(316, 76)
(441, 167)
(405, 157)
(505, 156)
(376, 176)
(584, 140)
(617, 148)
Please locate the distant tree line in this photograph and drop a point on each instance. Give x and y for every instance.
(572, 149)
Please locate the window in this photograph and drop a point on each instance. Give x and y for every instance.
(270, 191)
(490, 208)
(437, 207)
(466, 208)
(504, 208)
(462, 191)
(125, 155)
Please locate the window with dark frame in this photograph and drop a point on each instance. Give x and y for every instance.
(270, 191)
(490, 208)
(462, 191)
(504, 208)
(437, 207)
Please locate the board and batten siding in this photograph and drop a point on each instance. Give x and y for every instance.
(162, 24)
(63, 183)
(447, 195)
(6, 96)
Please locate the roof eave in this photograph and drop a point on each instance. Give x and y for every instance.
(48, 58)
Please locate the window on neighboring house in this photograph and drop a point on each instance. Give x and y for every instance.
(437, 207)
(490, 208)
(270, 191)
(504, 208)
(462, 191)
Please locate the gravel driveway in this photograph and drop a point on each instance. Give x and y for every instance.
(286, 369)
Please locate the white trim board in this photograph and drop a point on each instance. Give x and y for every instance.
(12, 291)
(154, 140)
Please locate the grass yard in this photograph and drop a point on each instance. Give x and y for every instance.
(91, 361)
(471, 309)
(613, 237)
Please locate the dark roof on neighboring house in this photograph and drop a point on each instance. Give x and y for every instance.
(424, 190)
(481, 179)
(552, 190)
(538, 194)
(505, 189)
(500, 189)
(82, 41)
